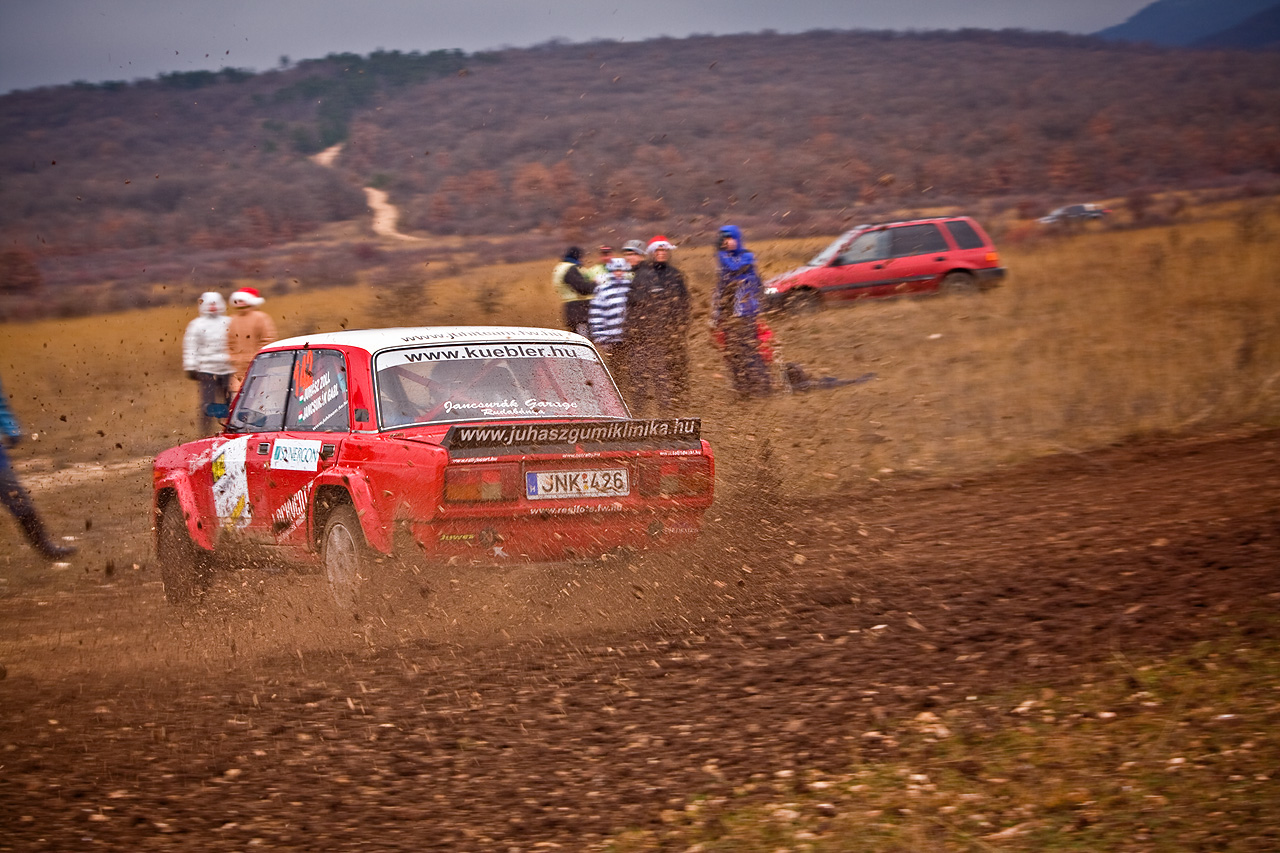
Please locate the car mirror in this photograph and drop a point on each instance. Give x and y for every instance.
(219, 411)
(362, 415)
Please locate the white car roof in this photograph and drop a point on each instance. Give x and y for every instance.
(373, 340)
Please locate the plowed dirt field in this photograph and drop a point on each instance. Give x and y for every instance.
(546, 707)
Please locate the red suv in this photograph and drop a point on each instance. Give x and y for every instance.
(950, 253)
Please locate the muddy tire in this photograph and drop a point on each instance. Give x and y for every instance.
(347, 559)
(803, 302)
(185, 568)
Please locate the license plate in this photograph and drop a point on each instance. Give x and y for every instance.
(607, 483)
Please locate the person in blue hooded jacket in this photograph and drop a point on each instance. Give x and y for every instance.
(735, 309)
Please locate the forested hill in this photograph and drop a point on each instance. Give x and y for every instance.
(795, 130)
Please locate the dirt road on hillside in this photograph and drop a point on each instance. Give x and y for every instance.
(544, 709)
(386, 216)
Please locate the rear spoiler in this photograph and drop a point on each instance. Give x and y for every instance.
(568, 436)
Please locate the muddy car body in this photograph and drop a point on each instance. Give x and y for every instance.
(478, 445)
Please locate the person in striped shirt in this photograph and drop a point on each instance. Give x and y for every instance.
(607, 313)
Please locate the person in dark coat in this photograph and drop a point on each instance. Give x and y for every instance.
(15, 497)
(735, 310)
(574, 290)
(656, 332)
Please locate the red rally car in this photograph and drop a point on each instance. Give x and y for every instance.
(479, 444)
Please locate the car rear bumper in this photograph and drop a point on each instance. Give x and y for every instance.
(990, 277)
(541, 538)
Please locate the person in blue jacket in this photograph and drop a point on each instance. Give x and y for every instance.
(735, 309)
(16, 498)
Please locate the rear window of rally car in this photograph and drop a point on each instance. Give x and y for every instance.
(464, 382)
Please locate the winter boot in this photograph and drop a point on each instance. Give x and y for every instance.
(33, 529)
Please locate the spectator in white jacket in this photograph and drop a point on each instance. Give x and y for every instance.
(206, 357)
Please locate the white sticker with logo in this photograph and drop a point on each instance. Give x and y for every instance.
(296, 454)
(230, 484)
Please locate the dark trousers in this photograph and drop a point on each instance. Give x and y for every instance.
(575, 316)
(747, 368)
(214, 388)
(15, 497)
(618, 360)
(19, 503)
(659, 378)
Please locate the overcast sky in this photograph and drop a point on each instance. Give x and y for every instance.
(50, 42)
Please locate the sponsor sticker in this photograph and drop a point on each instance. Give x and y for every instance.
(291, 513)
(474, 352)
(588, 432)
(296, 454)
(231, 484)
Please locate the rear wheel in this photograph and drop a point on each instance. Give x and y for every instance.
(959, 282)
(804, 301)
(346, 558)
(185, 568)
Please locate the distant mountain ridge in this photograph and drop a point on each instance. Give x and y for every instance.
(1260, 31)
(1186, 23)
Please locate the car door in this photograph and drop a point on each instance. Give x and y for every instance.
(919, 256)
(317, 420)
(241, 465)
(856, 271)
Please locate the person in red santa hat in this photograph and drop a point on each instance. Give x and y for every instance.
(250, 330)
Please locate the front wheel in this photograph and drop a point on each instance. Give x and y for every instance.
(346, 558)
(185, 568)
(803, 302)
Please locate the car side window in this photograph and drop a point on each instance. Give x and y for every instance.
(964, 235)
(916, 240)
(870, 246)
(318, 398)
(265, 395)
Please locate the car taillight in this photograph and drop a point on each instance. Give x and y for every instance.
(686, 475)
(993, 258)
(479, 483)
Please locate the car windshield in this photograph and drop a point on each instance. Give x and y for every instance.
(828, 254)
(467, 382)
(832, 249)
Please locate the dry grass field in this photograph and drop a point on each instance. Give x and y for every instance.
(1094, 338)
